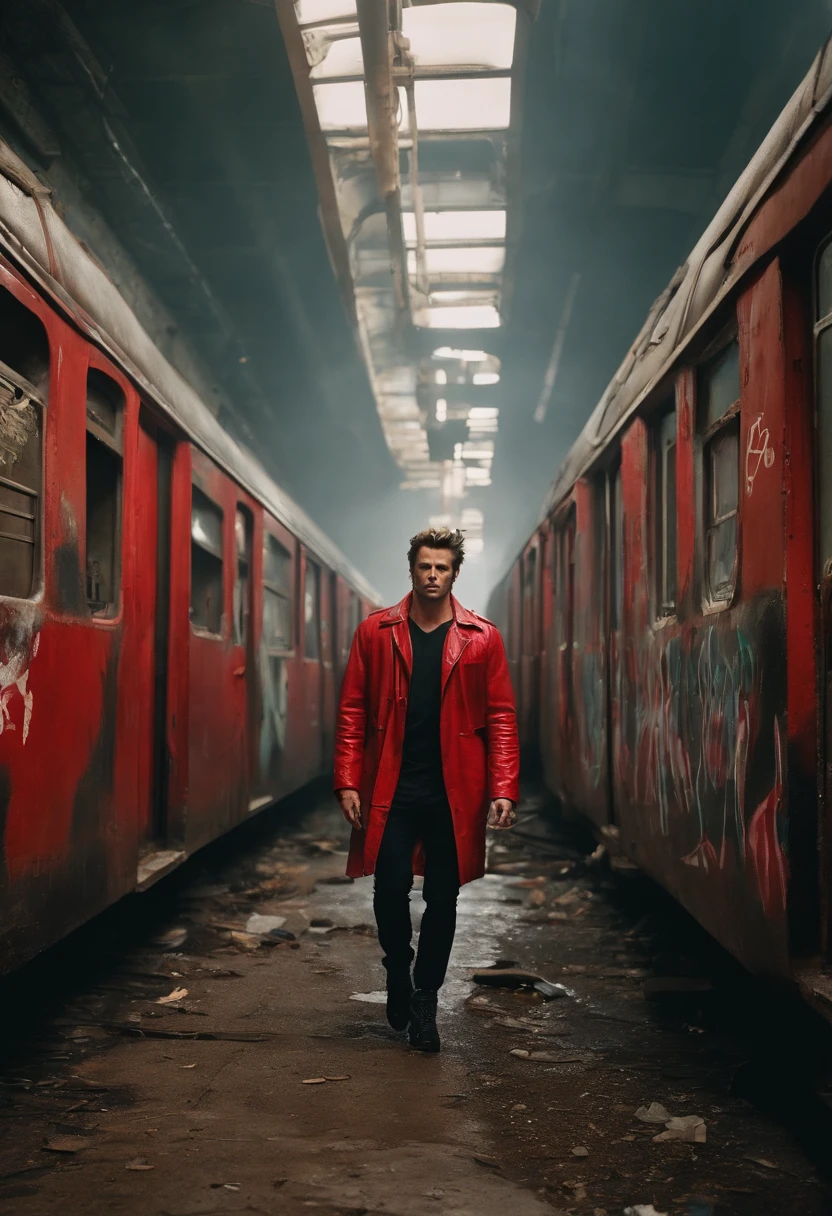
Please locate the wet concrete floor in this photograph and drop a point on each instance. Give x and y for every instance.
(171, 1060)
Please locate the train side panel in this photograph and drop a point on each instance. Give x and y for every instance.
(73, 729)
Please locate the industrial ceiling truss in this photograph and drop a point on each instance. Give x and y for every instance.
(413, 120)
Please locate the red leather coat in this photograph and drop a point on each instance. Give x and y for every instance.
(478, 729)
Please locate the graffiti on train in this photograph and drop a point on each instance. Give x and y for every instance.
(19, 639)
(705, 747)
(759, 452)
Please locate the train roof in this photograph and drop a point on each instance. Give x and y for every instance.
(700, 285)
(36, 238)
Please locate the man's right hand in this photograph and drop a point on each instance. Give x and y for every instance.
(351, 807)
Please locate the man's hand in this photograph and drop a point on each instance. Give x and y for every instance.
(351, 807)
(501, 814)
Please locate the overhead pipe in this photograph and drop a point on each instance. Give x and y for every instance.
(376, 31)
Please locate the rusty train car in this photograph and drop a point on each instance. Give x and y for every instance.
(669, 622)
(172, 626)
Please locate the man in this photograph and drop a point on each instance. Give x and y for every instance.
(426, 753)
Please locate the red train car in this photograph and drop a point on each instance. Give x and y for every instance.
(670, 621)
(172, 626)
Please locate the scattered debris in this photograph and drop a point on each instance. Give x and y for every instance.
(138, 1163)
(314, 1081)
(187, 1065)
(643, 1209)
(654, 1113)
(537, 899)
(65, 1144)
(370, 998)
(690, 1128)
(171, 939)
(580, 1151)
(557, 915)
(262, 925)
(515, 977)
(764, 1162)
(337, 880)
(490, 1162)
(548, 1057)
(597, 855)
(321, 922)
(523, 883)
(178, 994)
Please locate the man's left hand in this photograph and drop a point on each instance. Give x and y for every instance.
(501, 814)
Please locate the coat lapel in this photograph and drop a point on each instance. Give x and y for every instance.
(397, 618)
(455, 643)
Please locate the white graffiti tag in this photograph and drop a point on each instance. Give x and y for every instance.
(759, 452)
(21, 646)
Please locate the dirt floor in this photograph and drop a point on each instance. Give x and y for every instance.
(171, 1059)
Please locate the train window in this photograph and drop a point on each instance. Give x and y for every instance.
(105, 418)
(277, 596)
(718, 398)
(243, 526)
(719, 385)
(665, 513)
(24, 373)
(311, 611)
(617, 553)
(722, 492)
(206, 563)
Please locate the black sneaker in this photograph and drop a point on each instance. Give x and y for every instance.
(423, 1033)
(399, 992)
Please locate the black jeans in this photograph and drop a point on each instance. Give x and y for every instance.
(408, 823)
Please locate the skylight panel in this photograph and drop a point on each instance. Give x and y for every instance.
(483, 378)
(464, 259)
(463, 34)
(457, 226)
(463, 104)
(470, 316)
(323, 10)
(341, 106)
(343, 58)
(466, 356)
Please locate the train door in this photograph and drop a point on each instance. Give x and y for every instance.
(311, 666)
(160, 832)
(615, 608)
(529, 660)
(566, 651)
(221, 532)
(328, 646)
(823, 457)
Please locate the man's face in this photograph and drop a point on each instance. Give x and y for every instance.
(433, 573)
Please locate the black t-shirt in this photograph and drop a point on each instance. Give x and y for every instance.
(420, 778)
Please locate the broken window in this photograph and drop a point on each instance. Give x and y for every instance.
(24, 375)
(277, 596)
(243, 525)
(664, 505)
(311, 612)
(206, 563)
(105, 416)
(718, 402)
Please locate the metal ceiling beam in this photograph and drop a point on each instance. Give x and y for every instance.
(382, 98)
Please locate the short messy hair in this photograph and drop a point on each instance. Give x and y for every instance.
(438, 538)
